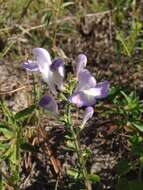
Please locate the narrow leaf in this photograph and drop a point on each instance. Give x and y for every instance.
(138, 125)
(6, 132)
(25, 113)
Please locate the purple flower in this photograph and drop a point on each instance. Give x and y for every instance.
(48, 103)
(52, 72)
(79, 63)
(89, 96)
(88, 90)
(31, 66)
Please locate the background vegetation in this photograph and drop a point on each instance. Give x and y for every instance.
(110, 34)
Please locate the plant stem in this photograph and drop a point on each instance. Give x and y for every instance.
(78, 149)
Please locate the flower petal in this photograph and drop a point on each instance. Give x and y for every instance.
(100, 91)
(88, 97)
(31, 65)
(87, 115)
(43, 60)
(79, 63)
(85, 81)
(81, 99)
(104, 86)
(49, 104)
(57, 68)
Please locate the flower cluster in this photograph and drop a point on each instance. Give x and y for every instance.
(87, 91)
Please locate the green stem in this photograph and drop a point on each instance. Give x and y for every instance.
(78, 149)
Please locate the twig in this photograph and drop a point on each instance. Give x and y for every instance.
(12, 91)
(54, 161)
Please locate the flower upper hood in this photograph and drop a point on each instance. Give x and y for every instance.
(52, 72)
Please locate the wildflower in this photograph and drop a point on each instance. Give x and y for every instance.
(48, 103)
(87, 92)
(52, 72)
(86, 95)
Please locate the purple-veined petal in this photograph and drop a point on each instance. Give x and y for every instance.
(104, 86)
(89, 111)
(79, 63)
(81, 99)
(85, 81)
(88, 97)
(43, 60)
(100, 91)
(48, 103)
(31, 65)
(58, 66)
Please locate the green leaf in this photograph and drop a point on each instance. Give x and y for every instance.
(69, 137)
(8, 152)
(138, 125)
(121, 38)
(13, 154)
(62, 97)
(94, 178)
(25, 113)
(6, 111)
(123, 167)
(47, 17)
(15, 176)
(3, 146)
(70, 145)
(73, 173)
(125, 96)
(6, 132)
(87, 153)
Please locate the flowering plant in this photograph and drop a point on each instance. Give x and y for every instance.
(85, 94)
